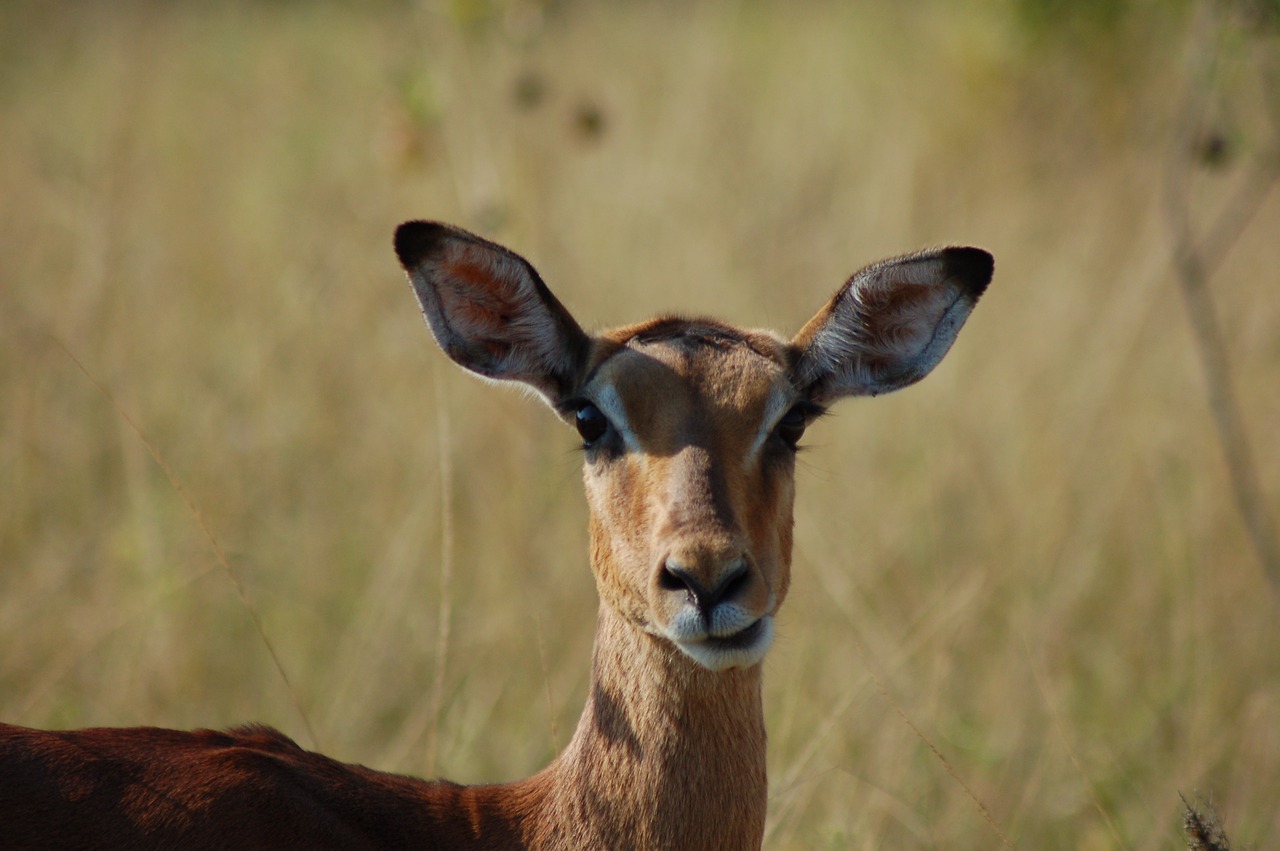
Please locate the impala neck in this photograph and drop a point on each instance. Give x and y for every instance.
(666, 755)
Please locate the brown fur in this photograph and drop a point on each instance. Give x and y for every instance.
(690, 492)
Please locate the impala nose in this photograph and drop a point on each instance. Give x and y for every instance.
(726, 585)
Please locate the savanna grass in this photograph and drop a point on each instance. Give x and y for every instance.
(1033, 556)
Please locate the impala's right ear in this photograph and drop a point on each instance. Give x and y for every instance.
(489, 310)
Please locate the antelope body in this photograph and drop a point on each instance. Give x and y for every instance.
(689, 430)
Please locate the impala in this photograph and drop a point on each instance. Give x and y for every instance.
(690, 429)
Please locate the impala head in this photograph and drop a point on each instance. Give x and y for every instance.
(690, 427)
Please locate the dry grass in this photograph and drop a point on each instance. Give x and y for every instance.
(1033, 556)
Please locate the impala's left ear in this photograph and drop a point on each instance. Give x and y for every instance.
(890, 324)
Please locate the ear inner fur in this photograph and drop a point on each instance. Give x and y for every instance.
(490, 311)
(890, 324)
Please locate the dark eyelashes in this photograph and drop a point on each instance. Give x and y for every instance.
(593, 425)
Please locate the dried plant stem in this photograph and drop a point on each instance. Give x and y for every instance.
(1193, 280)
(218, 553)
(1194, 263)
(444, 615)
(1058, 726)
(946, 764)
(1203, 829)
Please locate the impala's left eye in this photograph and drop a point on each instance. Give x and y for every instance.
(591, 423)
(792, 425)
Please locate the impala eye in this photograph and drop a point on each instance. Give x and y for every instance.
(792, 425)
(591, 423)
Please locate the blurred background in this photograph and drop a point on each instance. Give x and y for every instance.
(1037, 562)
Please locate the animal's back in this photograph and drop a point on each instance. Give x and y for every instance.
(242, 788)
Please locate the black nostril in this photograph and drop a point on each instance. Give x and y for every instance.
(678, 579)
(673, 578)
(732, 583)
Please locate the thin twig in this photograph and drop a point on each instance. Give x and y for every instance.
(1194, 263)
(444, 615)
(1066, 743)
(946, 764)
(218, 553)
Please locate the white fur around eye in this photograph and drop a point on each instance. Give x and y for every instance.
(779, 403)
(610, 404)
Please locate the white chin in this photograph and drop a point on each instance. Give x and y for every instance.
(721, 654)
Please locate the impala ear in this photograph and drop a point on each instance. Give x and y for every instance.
(489, 310)
(890, 324)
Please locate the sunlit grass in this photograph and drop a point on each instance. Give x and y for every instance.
(1034, 552)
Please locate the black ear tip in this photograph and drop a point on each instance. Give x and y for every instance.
(973, 267)
(415, 240)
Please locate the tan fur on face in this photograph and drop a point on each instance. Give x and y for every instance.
(691, 400)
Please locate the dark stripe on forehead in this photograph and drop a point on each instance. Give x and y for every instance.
(679, 331)
(693, 331)
(702, 331)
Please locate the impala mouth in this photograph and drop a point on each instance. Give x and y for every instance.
(739, 640)
(740, 649)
